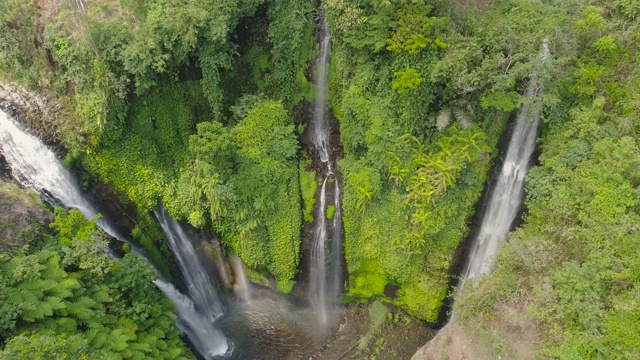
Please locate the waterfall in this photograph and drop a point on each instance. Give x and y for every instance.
(318, 273)
(208, 340)
(320, 135)
(35, 166)
(338, 235)
(325, 273)
(508, 193)
(240, 278)
(203, 303)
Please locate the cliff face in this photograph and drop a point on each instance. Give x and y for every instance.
(40, 114)
(22, 214)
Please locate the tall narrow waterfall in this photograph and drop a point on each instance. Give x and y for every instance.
(335, 277)
(35, 166)
(318, 273)
(325, 283)
(202, 306)
(507, 195)
(320, 133)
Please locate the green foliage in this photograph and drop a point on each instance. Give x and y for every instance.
(285, 286)
(72, 300)
(291, 40)
(409, 79)
(501, 100)
(23, 219)
(436, 172)
(361, 26)
(384, 241)
(331, 210)
(244, 183)
(592, 19)
(71, 225)
(149, 236)
(21, 57)
(377, 314)
(416, 31)
(574, 262)
(308, 186)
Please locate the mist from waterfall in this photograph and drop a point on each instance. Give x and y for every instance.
(242, 285)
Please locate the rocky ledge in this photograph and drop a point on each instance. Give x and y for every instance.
(40, 114)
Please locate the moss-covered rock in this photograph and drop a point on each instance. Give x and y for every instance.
(22, 214)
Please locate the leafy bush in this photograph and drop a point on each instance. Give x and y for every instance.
(72, 299)
(308, 186)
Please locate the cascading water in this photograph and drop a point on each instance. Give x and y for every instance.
(318, 273)
(320, 129)
(35, 166)
(507, 195)
(202, 306)
(242, 288)
(336, 274)
(208, 340)
(325, 274)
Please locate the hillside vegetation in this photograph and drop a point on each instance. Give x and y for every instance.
(566, 284)
(204, 105)
(63, 297)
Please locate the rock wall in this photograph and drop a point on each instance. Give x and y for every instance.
(40, 114)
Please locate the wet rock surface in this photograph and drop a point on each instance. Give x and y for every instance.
(38, 113)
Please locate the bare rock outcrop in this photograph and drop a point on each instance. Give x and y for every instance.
(39, 113)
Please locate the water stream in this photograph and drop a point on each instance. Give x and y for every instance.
(242, 285)
(205, 337)
(325, 273)
(35, 166)
(320, 134)
(507, 195)
(318, 271)
(202, 305)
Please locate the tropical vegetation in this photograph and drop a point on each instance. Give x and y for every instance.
(203, 106)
